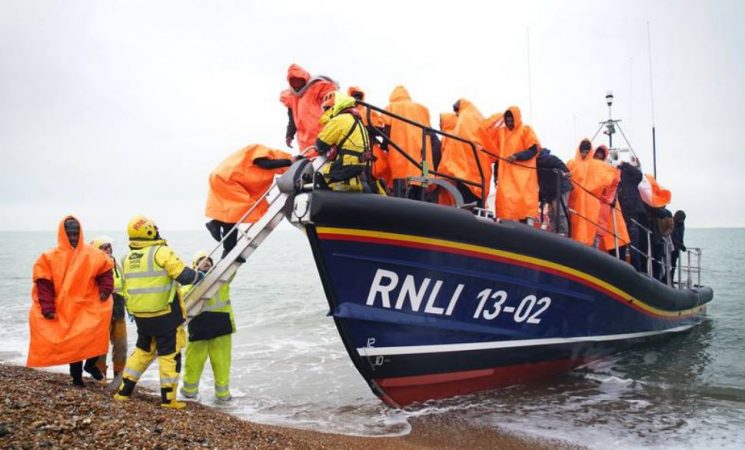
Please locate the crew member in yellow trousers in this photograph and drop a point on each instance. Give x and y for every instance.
(210, 335)
(118, 328)
(151, 273)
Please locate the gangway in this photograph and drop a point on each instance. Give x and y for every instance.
(250, 235)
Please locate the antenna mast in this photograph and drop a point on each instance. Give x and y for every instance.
(651, 96)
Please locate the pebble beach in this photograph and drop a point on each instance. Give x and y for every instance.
(40, 409)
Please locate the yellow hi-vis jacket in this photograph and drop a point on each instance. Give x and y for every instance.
(149, 275)
(216, 317)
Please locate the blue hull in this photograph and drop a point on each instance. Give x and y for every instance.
(425, 313)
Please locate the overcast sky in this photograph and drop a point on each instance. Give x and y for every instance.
(111, 109)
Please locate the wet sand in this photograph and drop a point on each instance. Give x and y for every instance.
(40, 409)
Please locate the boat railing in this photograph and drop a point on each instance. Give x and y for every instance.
(426, 167)
(665, 264)
(691, 268)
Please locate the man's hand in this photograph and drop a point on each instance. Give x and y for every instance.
(49, 315)
(288, 141)
(511, 158)
(103, 296)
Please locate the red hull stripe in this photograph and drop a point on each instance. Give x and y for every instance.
(406, 390)
(513, 259)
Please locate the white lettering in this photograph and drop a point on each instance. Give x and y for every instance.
(378, 287)
(408, 289)
(454, 299)
(431, 308)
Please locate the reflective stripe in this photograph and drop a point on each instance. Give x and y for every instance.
(215, 306)
(132, 373)
(167, 381)
(151, 290)
(145, 274)
(222, 388)
(191, 387)
(118, 290)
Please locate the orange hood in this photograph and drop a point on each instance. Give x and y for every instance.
(516, 115)
(578, 154)
(354, 90)
(399, 94)
(63, 242)
(295, 71)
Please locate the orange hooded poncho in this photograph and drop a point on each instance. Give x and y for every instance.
(380, 168)
(517, 185)
(457, 157)
(80, 329)
(306, 104)
(448, 121)
(237, 184)
(406, 136)
(605, 220)
(591, 175)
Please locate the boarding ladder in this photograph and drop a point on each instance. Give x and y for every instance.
(250, 235)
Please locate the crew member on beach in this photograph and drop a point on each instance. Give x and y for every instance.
(118, 327)
(71, 309)
(210, 336)
(151, 272)
(517, 188)
(237, 184)
(303, 101)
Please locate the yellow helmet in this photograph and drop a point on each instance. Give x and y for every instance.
(198, 257)
(100, 241)
(141, 228)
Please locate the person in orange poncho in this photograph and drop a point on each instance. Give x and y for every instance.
(458, 159)
(447, 122)
(609, 197)
(71, 310)
(517, 188)
(590, 179)
(303, 101)
(237, 183)
(407, 137)
(381, 170)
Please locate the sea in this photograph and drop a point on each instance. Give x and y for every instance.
(290, 367)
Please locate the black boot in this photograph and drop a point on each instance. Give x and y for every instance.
(92, 369)
(213, 226)
(76, 372)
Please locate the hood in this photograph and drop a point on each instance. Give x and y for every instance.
(599, 148)
(342, 102)
(448, 121)
(62, 240)
(516, 115)
(136, 244)
(295, 71)
(578, 155)
(354, 89)
(466, 107)
(399, 94)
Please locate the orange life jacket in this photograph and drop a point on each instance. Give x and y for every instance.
(80, 329)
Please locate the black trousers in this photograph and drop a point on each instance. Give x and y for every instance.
(76, 368)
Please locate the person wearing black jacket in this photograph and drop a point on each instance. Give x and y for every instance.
(549, 168)
(678, 234)
(634, 213)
